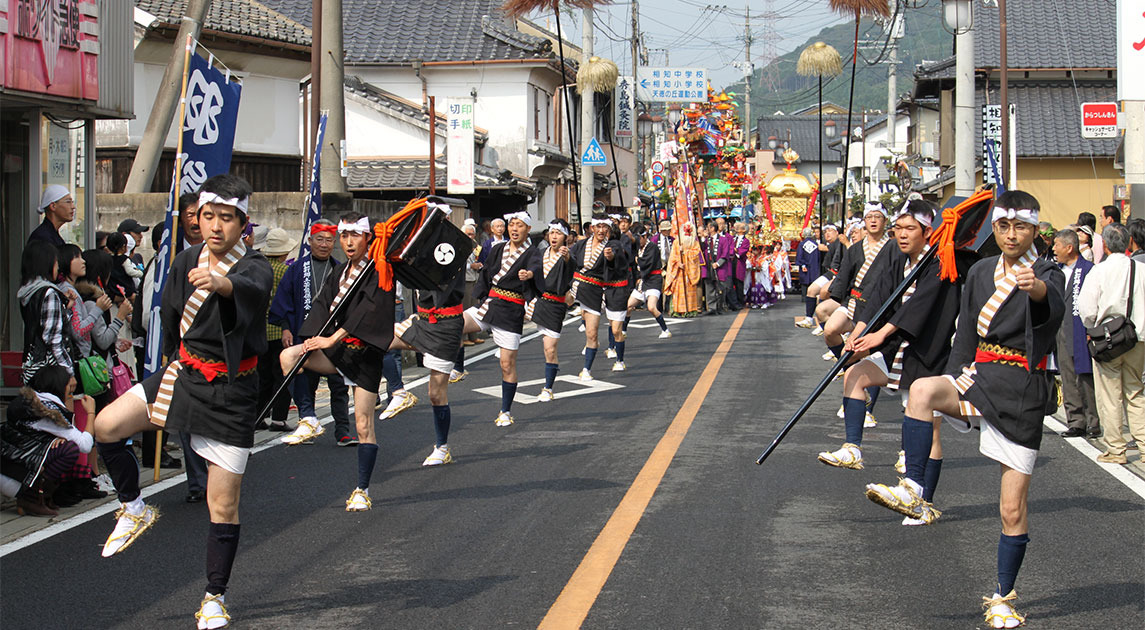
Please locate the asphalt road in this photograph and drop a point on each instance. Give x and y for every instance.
(493, 539)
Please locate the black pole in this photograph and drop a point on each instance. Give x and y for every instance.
(821, 158)
(875, 323)
(287, 376)
(615, 168)
(568, 119)
(850, 105)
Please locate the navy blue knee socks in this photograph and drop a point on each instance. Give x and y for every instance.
(611, 337)
(589, 357)
(873, 393)
(930, 479)
(508, 390)
(551, 370)
(854, 412)
(123, 469)
(660, 320)
(619, 350)
(809, 307)
(836, 350)
(222, 544)
(917, 437)
(441, 419)
(1011, 551)
(367, 457)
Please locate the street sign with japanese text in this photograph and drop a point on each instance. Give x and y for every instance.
(624, 106)
(459, 146)
(671, 85)
(1130, 50)
(991, 139)
(1099, 120)
(593, 155)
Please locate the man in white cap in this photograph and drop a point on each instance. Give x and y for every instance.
(58, 208)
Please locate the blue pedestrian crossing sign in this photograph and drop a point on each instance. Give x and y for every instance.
(593, 155)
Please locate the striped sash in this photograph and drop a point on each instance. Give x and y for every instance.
(162, 404)
(894, 379)
(348, 277)
(1004, 285)
(507, 262)
(591, 253)
(549, 260)
(870, 252)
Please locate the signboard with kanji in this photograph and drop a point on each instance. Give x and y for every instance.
(991, 139)
(1130, 50)
(624, 106)
(50, 47)
(459, 146)
(1099, 120)
(671, 85)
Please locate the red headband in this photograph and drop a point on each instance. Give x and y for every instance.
(320, 227)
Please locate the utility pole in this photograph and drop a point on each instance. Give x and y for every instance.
(965, 147)
(315, 78)
(895, 33)
(587, 117)
(332, 97)
(1004, 158)
(159, 122)
(748, 71)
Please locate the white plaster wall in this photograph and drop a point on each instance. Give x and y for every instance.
(370, 133)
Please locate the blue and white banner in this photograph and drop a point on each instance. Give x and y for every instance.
(211, 114)
(313, 213)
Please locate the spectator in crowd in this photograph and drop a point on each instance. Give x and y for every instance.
(486, 230)
(276, 246)
(40, 443)
(292, 302)
(682, 281)
(1088, 224)
(1085, 241)
(44, 308)
(1136, 229)
(1073, 357)
(59, 209)
(497, 236)
(189, 234)
(122, 283)
(101, 240)
(1110, 215)
(1045, 241)
(1118, 382)
(472, 273)
(135, 230)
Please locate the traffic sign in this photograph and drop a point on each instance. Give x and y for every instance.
(657, 167)
(657, 181)
(671, 85)
(1099, 120)
(593, 155)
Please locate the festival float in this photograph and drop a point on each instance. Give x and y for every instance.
(712, 139)
(789, 201)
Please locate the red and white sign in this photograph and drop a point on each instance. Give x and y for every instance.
(1130, 50)
(657, 167)
(50, 47)
(1099, 120)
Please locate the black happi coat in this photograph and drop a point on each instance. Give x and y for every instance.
(501, 313)
(1011, 399)
(604, 270)
(442, 337)
(833, 258)
(926, 321)
(369, 315)
(648, 268)
(226, 330)
(853, 259)
(549, 313)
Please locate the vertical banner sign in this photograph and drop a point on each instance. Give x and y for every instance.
(459, 146)
(314, 196)
(624, 104)
(991, 140)
(208, 129)
(1130, 50)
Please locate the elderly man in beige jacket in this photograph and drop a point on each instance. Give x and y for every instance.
(1118, 382)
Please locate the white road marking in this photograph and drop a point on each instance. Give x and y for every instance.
(594, 386)
(1119, 472)
(651, 323)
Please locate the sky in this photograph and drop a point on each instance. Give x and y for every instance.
(698, 33)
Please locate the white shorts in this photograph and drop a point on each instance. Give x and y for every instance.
(437, 364)
(552, 334)
(231, 458)
(645, 295)
(993, 444)
(615, 316)
(878, 361)
(819, 283)
(585, 309)
(501, 337)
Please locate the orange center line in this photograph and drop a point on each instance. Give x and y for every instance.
(580, 593)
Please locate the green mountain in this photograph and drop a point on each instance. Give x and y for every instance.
(924, 39)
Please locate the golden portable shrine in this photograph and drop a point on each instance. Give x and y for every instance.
(789, 200)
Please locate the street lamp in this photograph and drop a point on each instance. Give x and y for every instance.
(829, 129)
(957, 16)
(772, 142)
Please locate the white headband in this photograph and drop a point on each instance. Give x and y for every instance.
(600, 222)
(210, 197)
(521, 216)
(1025, 215)
(560, 228)
(924, 220)
(875, 207)
(831, 226)
(362, 226)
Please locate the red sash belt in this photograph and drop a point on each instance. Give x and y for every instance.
(508, 296)
(857, 294)
(211, 369)
(655, 272)
(433, 314)
(600, 283)
(552, 297)
(351, 341)
(990, 353)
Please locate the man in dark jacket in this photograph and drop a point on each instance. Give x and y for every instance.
(1073, 358)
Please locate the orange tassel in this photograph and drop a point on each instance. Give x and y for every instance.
(943, 238)
(382, 233)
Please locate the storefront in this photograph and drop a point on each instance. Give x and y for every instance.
(63, 65)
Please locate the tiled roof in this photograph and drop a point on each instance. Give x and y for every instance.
(942, 69)
(1049, 118)
(394, 104)
(413, 174)
(804, 134)
(400, 31)
(1048, 34)
(239, 17)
